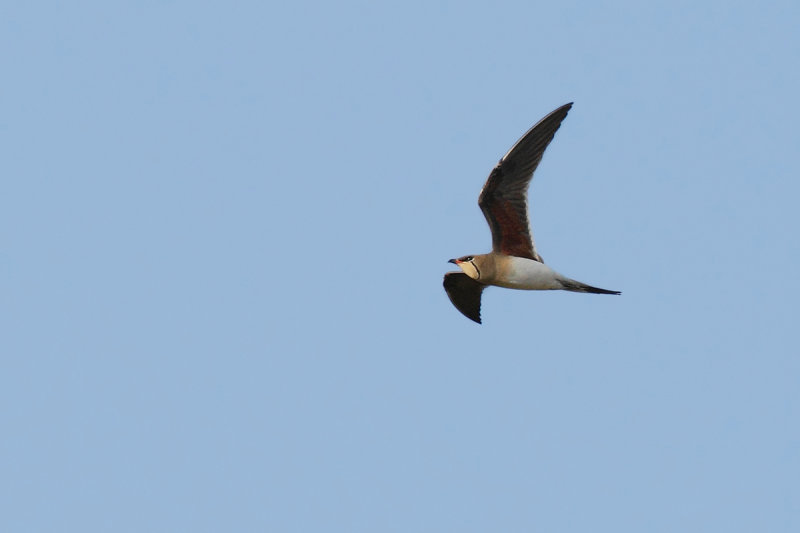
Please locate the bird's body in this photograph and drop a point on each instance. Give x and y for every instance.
(513, 262)
(510, 272)
(526, 274)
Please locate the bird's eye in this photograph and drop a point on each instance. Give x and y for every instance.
(467, 258)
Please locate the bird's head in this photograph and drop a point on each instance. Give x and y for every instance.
(468, 266)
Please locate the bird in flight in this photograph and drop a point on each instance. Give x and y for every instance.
(513, 262)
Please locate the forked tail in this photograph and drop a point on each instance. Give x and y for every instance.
(577, 286)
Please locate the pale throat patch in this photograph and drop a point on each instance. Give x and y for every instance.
(470, 270)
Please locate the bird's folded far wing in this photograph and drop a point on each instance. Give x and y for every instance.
(465, 293)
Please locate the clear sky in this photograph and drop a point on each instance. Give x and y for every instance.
(224, 228)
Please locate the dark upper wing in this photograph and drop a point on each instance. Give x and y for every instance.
(465, 293)
(504, 198)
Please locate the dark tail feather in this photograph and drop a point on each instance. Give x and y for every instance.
(577, 286)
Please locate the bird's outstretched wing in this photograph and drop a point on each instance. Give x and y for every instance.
(504, 198)
(465, 293)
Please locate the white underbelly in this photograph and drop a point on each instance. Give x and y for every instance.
(527, 274)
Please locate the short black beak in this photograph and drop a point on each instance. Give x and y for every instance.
(454, 261)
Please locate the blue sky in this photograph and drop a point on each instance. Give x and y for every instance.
(224, 230)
